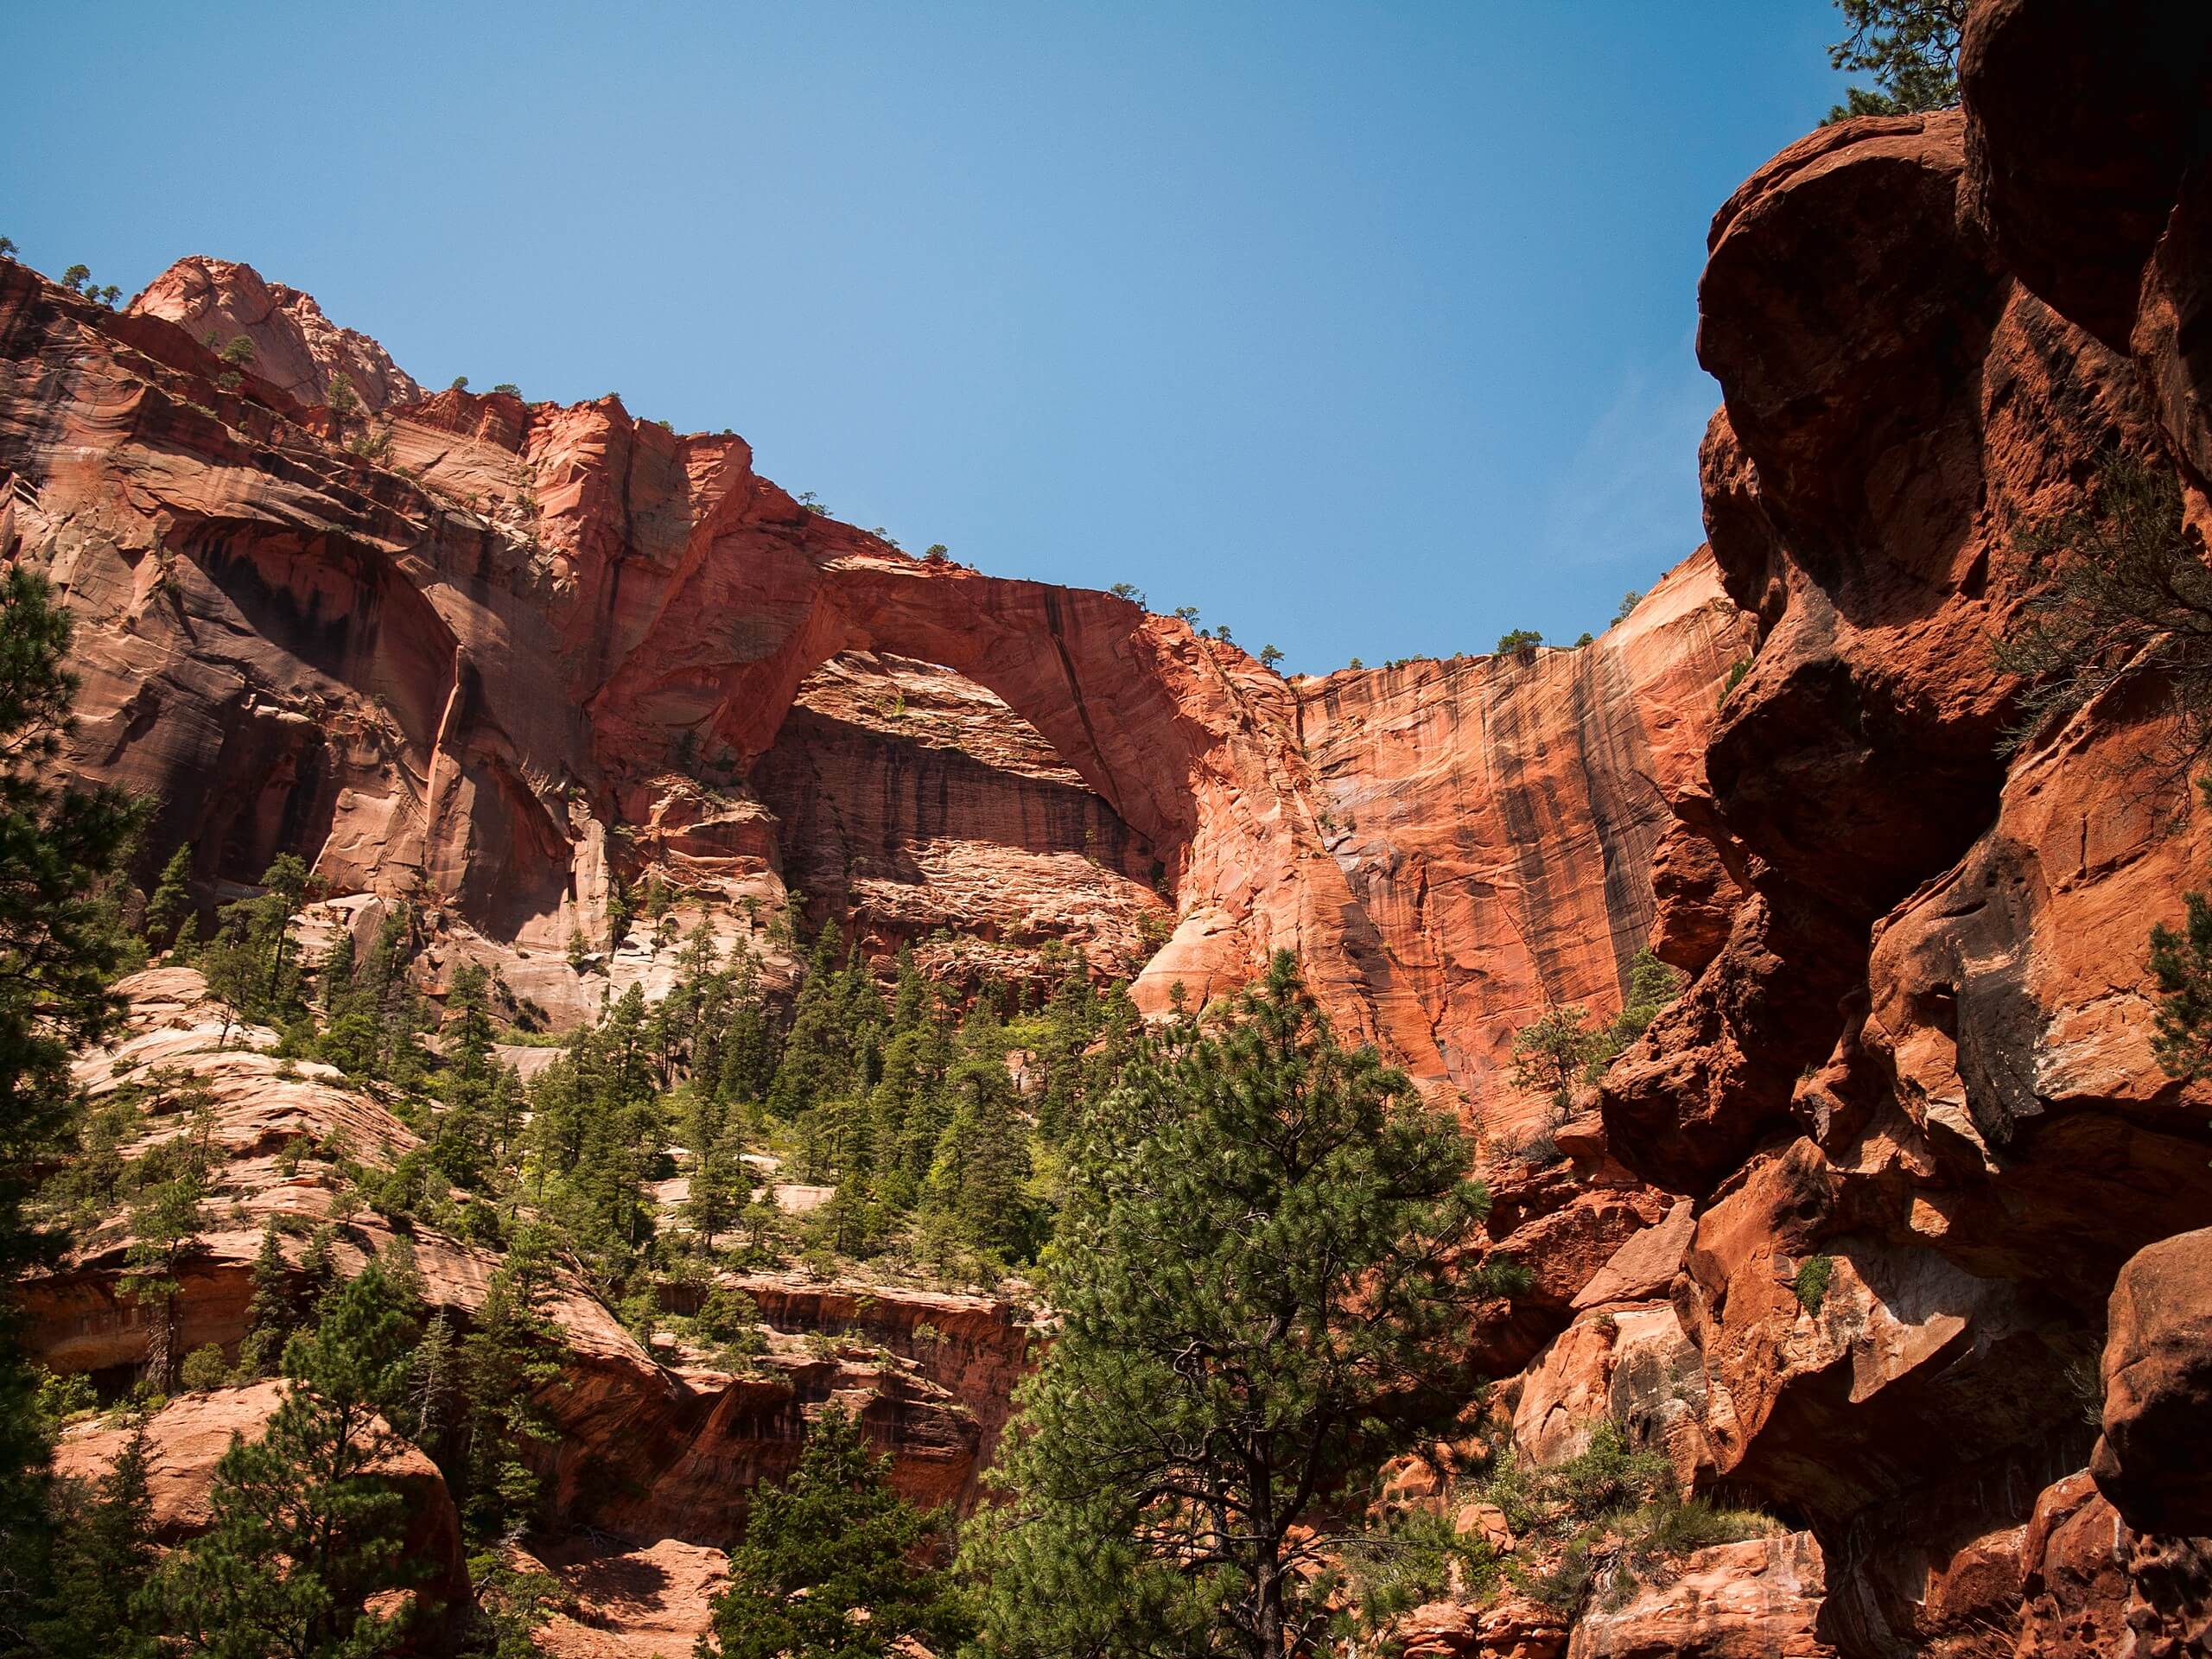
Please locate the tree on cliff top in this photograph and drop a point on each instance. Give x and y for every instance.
(1911, 47)
(1260, 1273)
(826, 1570)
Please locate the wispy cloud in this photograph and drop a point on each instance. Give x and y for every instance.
(1631, 489)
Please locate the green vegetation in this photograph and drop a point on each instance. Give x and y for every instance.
(1910, 46)
(832, 1540)
(1629, 600)
(1519, 642)
(2181, 968)
(77, 280)
(1257, 1267)
(1609, 1509)
(1269, 656)
(1553, 1054)
(2125, 600)
(61, 941)
(1737, 670)
(1811, 1282)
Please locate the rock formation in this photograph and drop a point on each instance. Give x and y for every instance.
(1918, 1062)
(1886, 1223)
(487, 655)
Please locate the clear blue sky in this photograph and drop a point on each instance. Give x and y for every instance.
(1365, 329)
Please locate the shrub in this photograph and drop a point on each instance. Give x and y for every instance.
(1519, 642)
(2124, 598)
(460, 384)
(1629, 600)
(509, 388)
(1811, 1283)
(1737, 670)
(205, 1368)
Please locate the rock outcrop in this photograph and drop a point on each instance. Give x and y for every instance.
(1758, 1599)
(1912, 1092)
(296, 348)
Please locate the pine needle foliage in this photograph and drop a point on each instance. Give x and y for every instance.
(1259, 1273)
(827, 1568)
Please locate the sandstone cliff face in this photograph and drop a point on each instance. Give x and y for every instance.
(1917, 1054)
(910, 801)
(490, 656)
(1497, 816)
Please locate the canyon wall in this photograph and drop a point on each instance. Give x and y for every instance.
(1917, 1057)
(488, 656)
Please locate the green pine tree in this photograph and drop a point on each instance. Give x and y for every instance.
(1259, 1271)
(272, 1310)
(171, 901)
(304, 1530)
(505, 1361)
(104, 1560)
(826, 1569)
(64, 851)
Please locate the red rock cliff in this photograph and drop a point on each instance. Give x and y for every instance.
(1918, 1051)
(449, 647)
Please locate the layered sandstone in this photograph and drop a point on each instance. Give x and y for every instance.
(490, 656)
(1497, 816)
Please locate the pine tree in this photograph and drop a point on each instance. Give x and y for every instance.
(171, 901)
(504, 1361)
(975, 1193)
(165, 1224)
(307, 1495)
(253, 965)
(1259, 1272)
(104, 1559)
(63, 852)
(1552, 1054)
(721, 1185)
(816, 1060)
(826, 1568)
(272, 1313)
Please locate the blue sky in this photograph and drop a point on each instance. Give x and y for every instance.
(1364, 329)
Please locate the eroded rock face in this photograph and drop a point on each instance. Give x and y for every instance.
(296, 348)
(652, 1603)
(1758, 1599)
(909, 799)
(2157, 1388)
(1912, 1090)
(447, 648)
(1497, 816)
